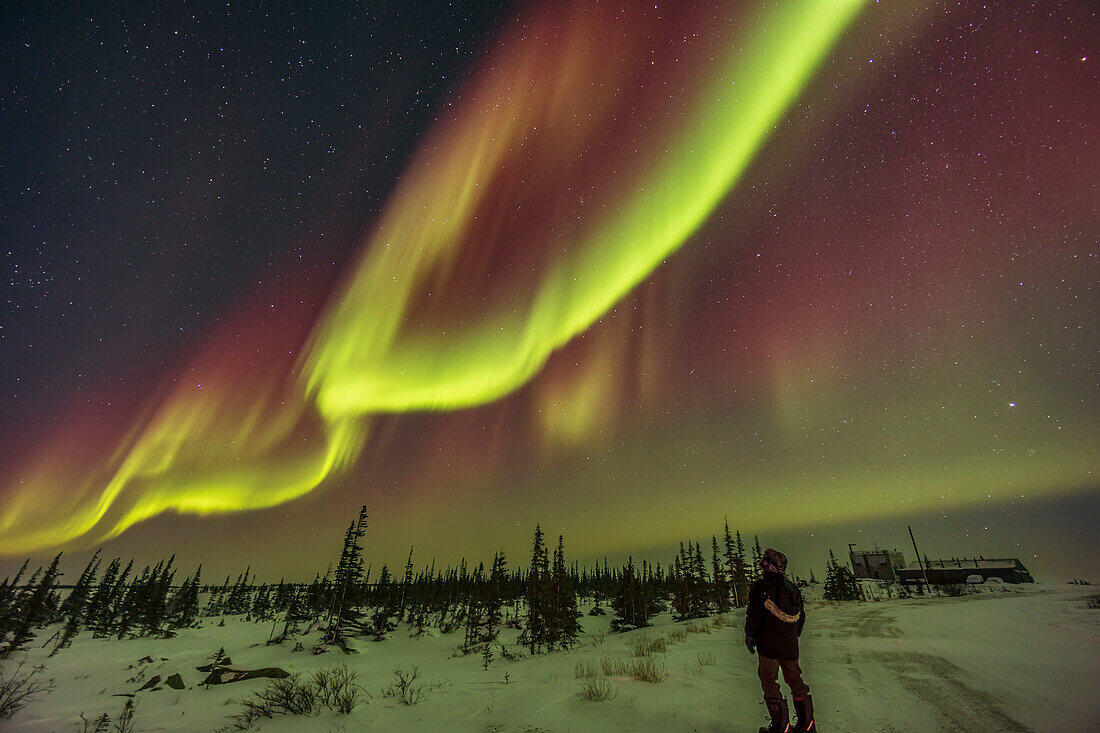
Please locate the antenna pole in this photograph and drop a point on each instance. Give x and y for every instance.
(920, 562)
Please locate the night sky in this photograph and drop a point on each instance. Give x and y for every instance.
(825, 269)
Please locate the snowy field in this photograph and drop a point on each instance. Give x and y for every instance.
(1020, 659)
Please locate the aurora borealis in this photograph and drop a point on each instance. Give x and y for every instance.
(638, 268)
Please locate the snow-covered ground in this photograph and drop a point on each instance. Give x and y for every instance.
(1025, 658)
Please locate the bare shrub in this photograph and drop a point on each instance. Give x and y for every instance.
(20, 686)
(613, 666)
(404, 688)
(706, 658)
(125, 722)
(597, 689)
(337, 688)
(646, 670)
(333, 687)
(289, 696)
(102, 724)
(585, 669)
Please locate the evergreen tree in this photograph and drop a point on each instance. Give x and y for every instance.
(9, 610)
(474, 608)
(701, 586)
(382, 621)
(76, 600)
(535, 633)
(840, 584)
(185, 609)
(741, 571)
(494, 604)
(260, 609)
(731, 566)
(721, 585)
(757, 555)
(75, 604)
(156, 598)
(117, 599)
(563, 616)
(36, 606)
(348, 587)
(405, 583)
(628, 605)
(132, 604)
(681, 603)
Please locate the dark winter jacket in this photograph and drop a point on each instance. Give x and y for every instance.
(774, 638)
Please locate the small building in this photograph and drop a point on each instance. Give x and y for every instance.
(875, 564)
(957, 571)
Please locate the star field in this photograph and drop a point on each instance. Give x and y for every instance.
(466, 265)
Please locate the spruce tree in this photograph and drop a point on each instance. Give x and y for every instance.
(406, 582)
(382, 621)
(348, 592)
(702, 588)
(681, 603)
(75, 604)
(731, 568)
(494, 604)
(36, 608)
(131, 605)
(628, 604)
(156, 604)
(721, 586)
(757, 555)
(741, 571)
(9, 611)
(100, 598)
(840, 584)
(564, 614)
(535, 633)
(186, 609)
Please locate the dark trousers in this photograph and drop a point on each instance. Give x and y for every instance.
(768, 670)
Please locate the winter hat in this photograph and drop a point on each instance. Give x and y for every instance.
(773, 561)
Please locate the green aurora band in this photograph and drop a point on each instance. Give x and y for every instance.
(227, 451)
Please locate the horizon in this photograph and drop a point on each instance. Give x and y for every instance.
(936, 546)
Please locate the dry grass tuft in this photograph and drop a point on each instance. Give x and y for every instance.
(693, 670)
(597, 689)
(585, 669)
(706, 659)
(646, 670)
(613, 666)
(643, 646)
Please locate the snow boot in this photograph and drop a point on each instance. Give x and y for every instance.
(804, 709)
(781, 717)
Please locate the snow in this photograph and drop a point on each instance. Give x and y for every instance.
(1011, 658)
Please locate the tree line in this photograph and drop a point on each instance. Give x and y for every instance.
(541, 600)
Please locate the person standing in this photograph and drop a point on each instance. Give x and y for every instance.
(774, 620)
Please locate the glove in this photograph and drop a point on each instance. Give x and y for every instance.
(750, 644)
